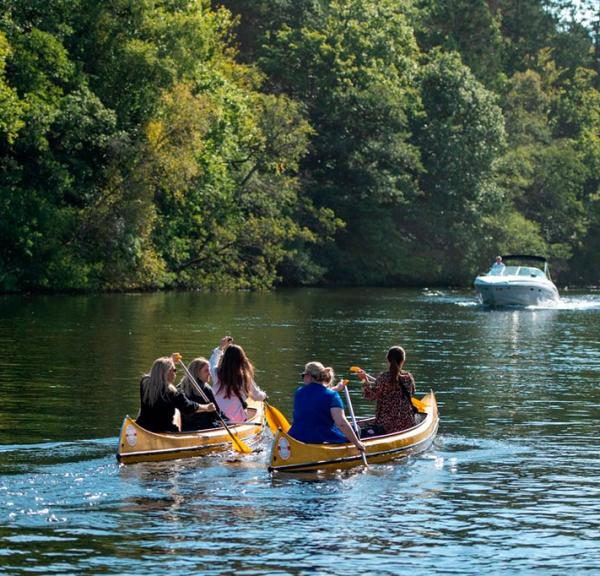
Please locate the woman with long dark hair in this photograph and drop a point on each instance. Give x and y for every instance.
(392, 390)
(233, 377)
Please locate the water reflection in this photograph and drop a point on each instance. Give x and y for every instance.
(512, 326)
(509, 486)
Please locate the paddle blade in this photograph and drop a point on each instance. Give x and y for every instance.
(355, 368)
(420, 406)
(275, 419)
(239, 445)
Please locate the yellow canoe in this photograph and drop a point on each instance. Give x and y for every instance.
(291, 455)
(137, 444)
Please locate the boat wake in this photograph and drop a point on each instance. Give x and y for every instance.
(21, 458)
(582, 302)
(570, 303)
(450, 298)
(591, 302)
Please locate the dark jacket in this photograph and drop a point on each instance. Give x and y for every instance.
(200, 420)
(159, 417)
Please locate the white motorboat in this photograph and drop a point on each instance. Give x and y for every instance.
(517, 282)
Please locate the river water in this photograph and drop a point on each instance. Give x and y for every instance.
(510, 486)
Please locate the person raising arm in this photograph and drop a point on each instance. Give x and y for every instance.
(392, 390)
(233, 377)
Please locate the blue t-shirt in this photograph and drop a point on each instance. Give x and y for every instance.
(312, 417)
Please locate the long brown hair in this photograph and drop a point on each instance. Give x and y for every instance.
(186, 385)
(235, 372)
(155, 385)
(396, 357)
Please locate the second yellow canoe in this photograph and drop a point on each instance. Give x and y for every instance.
(291, 455)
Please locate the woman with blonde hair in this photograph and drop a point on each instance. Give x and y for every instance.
(160, 399)
(193, 389)
(233, 377)
(318, 410)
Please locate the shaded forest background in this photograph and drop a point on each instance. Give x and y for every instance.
(251, 143)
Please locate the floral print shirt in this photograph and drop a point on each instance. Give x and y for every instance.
(394, 410)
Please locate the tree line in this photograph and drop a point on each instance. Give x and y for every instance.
(239, 144)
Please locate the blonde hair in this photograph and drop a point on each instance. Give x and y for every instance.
(186, 385)
(156, 384)
(319, 372)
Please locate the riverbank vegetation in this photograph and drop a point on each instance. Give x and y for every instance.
(152, 144)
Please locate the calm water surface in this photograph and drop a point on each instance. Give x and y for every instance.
(511, 485)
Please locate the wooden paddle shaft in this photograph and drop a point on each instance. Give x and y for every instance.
(235, 439)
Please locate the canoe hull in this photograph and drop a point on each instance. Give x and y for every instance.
(290, 455)
(137, 444)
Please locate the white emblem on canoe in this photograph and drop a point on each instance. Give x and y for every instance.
(131, 435)
(283, 447)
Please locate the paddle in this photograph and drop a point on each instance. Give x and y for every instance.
(354, 423)
(238, 444)
(418, 404)
(275, 419)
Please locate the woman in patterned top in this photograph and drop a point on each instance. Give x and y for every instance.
(393, 391)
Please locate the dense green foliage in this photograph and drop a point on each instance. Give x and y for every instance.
(244, 144)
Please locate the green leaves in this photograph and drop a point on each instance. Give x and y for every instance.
(11, 107)
(460, 135)
(359, 139)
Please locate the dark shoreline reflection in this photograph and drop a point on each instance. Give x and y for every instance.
(510, 482)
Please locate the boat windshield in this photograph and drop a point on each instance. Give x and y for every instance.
(529, 271)
(517, 271)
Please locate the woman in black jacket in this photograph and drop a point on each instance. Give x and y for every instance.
(199, 368)
(160, 399)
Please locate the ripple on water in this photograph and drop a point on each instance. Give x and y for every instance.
(510, 485)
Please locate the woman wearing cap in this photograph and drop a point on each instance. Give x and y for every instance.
(318, 410)
(392, 390)
(160, 399)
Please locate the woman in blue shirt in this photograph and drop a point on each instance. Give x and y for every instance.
(318, 410)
